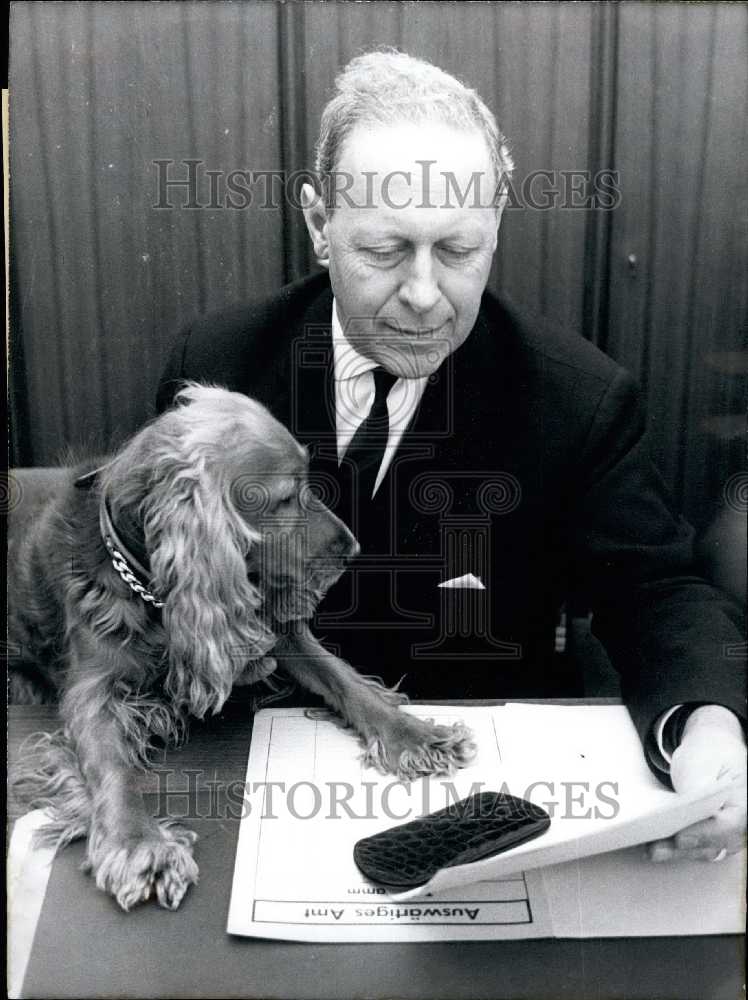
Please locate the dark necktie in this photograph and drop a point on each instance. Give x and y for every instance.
(367, 446)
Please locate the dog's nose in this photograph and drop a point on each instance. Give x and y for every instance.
(345, 546)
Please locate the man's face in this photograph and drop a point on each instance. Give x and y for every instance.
(407, 264)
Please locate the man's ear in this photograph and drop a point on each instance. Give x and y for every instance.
(315, 216)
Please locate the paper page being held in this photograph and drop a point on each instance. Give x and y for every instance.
(308, 801)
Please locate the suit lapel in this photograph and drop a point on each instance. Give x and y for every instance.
(311, 394)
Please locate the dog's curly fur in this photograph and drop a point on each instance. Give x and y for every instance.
(210, 496)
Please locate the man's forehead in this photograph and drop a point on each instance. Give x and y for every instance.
(403, 146)
(406, 165)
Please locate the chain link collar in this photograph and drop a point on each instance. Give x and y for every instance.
(122, 560)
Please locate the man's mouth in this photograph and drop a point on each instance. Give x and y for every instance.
(419, 333)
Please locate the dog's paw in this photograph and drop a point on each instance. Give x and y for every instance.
(413, 748)
(159, 863)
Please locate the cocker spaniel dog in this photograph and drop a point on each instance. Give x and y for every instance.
(190, 563)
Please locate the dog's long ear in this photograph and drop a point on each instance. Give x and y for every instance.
(198, 548)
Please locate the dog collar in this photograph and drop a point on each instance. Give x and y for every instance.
(123, 561)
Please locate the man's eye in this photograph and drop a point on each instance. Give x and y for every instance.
(384, 255)
(457, 253)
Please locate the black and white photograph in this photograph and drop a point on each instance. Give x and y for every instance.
(376, 499)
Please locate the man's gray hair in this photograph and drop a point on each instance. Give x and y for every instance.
(387, 87)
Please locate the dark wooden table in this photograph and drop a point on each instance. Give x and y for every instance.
(86, 947)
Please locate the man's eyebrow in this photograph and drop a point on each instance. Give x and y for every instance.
(467, 232)
(365, 234)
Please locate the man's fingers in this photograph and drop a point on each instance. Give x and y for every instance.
(661, 850)
(667, 850)
(703, 841)
(703, 834)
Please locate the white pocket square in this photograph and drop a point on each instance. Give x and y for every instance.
(467, 582)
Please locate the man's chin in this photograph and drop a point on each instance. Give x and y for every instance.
(413, 360)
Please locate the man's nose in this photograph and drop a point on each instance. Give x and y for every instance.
(420, 290)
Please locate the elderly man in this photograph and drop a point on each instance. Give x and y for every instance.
(487, 464)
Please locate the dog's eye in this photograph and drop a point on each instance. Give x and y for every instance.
(310, 497)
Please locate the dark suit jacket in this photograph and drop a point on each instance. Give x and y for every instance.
(525, 465)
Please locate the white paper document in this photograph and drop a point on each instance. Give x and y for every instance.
(308, 799)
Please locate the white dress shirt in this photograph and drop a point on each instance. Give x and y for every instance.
(354, 397)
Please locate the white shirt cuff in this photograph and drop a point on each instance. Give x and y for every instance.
(660, 756)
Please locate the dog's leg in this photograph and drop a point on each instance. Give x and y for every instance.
(394, 741)
(131, 855)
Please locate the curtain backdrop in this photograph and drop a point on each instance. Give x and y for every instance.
(104, 275)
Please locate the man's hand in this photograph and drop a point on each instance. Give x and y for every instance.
(712, 748)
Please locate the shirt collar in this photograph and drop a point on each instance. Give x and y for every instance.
(348, 363)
